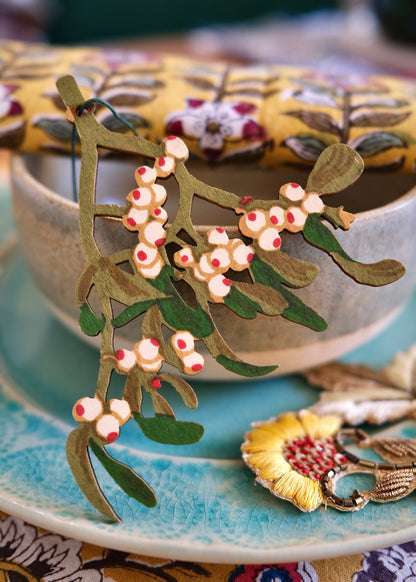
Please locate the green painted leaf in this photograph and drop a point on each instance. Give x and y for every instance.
(168, 430)
(293, 272)
(337, 167)
(306, 147)
(299, 312)
(182, 387)
(176, 312)
(376, 142)
(131, 312)
(243, 368)
(59, 129)
(241, 304)
(376, 274)
(296, 311)
(180, 316)
(90, 323)
(129, 481)
(269, 301)
(80, 464)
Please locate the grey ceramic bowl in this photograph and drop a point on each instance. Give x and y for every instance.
(47, 221)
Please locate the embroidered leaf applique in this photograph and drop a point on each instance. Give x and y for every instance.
(360, 394)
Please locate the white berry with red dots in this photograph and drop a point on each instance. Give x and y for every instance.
(141, 197)
(313, 204)
(87, 409)
(241, 254)
(270, 240)
(184, 257)
(252, 222)
(145, 254)
(145, 175)
(121, 409)
(154, 234)
(193, 363)
(183, 342)
(147, 349)
(295, 219)
(217, 236)
(126, 360)
(292, 191)
(220, 258)
(277, 215)
(219, 286)
(176, 148)
(108, 427)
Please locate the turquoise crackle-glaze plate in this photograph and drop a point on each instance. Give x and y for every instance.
(209, 508)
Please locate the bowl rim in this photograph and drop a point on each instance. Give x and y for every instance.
(19, 167)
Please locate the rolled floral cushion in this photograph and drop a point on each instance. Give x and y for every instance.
(266, 114)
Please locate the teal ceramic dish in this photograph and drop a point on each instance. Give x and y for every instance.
(209, 507)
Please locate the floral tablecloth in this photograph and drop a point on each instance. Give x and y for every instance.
(30, 554)
(267, 114)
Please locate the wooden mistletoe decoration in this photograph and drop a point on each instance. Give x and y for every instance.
(167, 253)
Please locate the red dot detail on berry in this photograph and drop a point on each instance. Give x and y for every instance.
(226, 282)
(136, 194)
(294, 185)
(80, 410)
(250, 257)
(215, 263)
(142, 170)
(156, 383)
(161, 162)
(251, 216)
(111, 437)
(277, 242)
(170, 137)
(155, 342)
(142, 256)
(185, 258)
(181, 344)
(274, 220)
(290, 218)
(120, 355)
(220, 230)
(160, 242)
(196, 367)
(131, 221)
(157, 212)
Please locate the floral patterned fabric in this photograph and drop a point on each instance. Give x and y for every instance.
(265, 114)
(28, 554)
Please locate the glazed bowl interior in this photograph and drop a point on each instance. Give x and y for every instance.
(385, 206)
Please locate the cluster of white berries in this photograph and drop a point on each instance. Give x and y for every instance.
(227, 254)
(107, 424)
(265, 226)
(145, 354)
(146, 215)
(183, 343)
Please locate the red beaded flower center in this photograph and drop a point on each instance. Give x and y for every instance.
(312, 457)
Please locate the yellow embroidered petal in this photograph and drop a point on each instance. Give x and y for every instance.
(320, 426)
(302, 491)
(261, 442)
(268, 465)
(287, 426)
